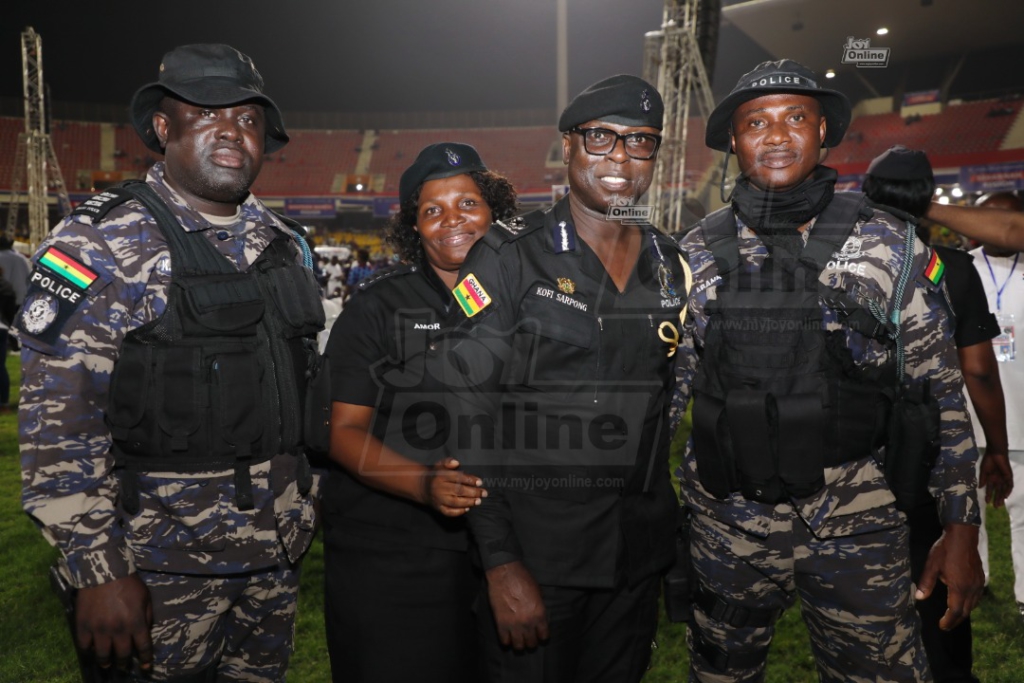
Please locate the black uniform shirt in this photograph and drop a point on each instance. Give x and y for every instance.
(381, 352)
(973, 322)
(581, 372)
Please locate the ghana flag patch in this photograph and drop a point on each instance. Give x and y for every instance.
(471, 296)
(67, 267)
(936, 268)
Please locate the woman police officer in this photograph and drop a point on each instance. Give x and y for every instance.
(399, 582)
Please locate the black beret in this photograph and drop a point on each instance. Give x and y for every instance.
(211, 75)
(440, 160)
(901, 163)
(780, 76)
(623, 99)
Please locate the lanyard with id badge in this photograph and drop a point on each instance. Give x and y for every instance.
(1004, 344)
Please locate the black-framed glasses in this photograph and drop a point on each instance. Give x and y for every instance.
(601, 141)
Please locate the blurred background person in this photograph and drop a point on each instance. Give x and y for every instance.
(1001, 273)
(901, 179)
(399, 581)
(361, 268)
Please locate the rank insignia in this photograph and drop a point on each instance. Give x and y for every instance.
(566, 285)
(471, 296)
(564, 237)
(514, 226)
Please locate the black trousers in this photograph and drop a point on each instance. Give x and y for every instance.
(595, 636)
(949, 652)
(398, 612)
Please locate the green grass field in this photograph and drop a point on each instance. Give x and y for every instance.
(37, 648)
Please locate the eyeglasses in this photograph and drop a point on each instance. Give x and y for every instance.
(601, 141)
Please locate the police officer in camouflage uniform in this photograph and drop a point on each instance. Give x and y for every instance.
(807, 311)
(166, 349)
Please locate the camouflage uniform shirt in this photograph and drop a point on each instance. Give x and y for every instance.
(187, 523)
(855, 497)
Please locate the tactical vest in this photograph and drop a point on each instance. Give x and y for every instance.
(776, 398)
(219, 381)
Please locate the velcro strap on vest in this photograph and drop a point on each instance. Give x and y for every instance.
(303, 474)
(749, 418)
(129, 481)
(243, 486)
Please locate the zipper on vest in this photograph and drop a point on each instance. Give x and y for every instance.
(597, 375)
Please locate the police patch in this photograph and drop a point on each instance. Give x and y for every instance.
(38, 313)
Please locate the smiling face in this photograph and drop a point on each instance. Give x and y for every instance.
(597, 182)
(777, 139)
(451, 215)
(212, 154)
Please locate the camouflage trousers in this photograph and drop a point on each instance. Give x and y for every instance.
(855, 594)
(241, 626)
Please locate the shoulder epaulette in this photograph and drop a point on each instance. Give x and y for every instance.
(291, 223)
(668, 240)
(381, 275)
(98, 206)
(512, 229)
(898, 213)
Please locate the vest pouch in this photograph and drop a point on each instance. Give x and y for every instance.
(711, 446)
(182, 401)
(129, 390)
(295, 293)
(236, 379)
(752, 417)
(801, 443)
(222, 304)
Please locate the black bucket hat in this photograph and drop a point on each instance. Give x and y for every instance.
(209, 75)
(440, 160)
(780, 76)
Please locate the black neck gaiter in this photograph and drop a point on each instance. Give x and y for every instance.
(775, 216)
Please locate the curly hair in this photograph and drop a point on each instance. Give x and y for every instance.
(401, 234)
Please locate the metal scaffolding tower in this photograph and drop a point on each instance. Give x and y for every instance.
(673, 60)
(35, 161)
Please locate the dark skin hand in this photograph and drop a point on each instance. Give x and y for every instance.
(441, 486)
(981, 376)
(989, 225)
(954, 560)
(519, 613)
(113, 620)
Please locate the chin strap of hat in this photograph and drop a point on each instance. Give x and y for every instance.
(725, 174)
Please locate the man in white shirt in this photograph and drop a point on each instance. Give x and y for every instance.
(1002, 273)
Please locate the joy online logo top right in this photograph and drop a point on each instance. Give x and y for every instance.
(858, 51)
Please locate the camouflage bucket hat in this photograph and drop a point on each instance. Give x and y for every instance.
(782, 76)
(210, 75)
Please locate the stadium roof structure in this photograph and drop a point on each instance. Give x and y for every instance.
(974, 47)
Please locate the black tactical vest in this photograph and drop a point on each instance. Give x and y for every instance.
(219, 380)
(776, 398)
